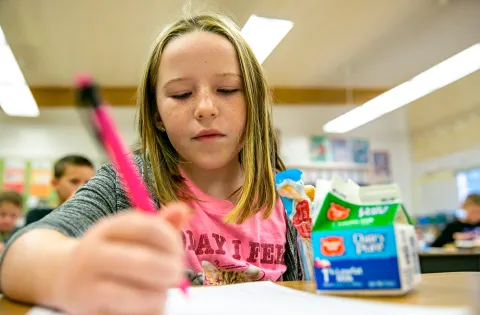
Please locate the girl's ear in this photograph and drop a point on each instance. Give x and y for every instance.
(158, 122)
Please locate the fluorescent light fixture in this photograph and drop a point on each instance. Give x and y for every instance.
(10, 73)
(440, 75)
(264, 34)
(16, 99)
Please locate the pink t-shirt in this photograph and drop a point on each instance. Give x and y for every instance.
(226, 254)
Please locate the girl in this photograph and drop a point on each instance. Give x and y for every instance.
(209, 155)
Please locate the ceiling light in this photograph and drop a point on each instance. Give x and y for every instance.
(10, 73)
(16, 99)
(264, 34)
(440, 75)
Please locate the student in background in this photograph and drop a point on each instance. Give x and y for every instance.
(462, 229)
(207, 144)
(69, 173)
(11, 209)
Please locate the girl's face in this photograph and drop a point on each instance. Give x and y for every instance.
(200, 99)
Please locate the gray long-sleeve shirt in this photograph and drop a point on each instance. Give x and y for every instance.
(103, 195)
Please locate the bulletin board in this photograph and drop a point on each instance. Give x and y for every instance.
(31, 178)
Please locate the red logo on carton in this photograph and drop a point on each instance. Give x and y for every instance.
(332, 246)
(337, 212)
(301, 219)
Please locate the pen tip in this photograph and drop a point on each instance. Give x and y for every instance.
(184, 286)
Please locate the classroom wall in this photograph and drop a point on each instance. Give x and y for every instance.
(451, 146)
(59, 131)
(434, 180)
(56, 132)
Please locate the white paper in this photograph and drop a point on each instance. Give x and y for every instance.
(42, 311)
(268, 298)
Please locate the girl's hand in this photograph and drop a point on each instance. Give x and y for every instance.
(124, 264)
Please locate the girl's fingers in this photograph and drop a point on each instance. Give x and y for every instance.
(138, 266)
(121, 299)
(176, 214)
(143, 230)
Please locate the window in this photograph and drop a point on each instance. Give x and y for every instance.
(468, 182)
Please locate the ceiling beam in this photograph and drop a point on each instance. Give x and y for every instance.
(324, 95)
(125, 96)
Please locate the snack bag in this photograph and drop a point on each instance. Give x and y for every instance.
(297, 201)
(363, 241)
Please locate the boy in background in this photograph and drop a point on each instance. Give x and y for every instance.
(11, 209)
(70, 173)
(463, 229)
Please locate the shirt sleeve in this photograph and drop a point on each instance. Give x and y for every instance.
(95, 200)
(446, 236)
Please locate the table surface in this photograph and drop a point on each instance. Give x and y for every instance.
(441, 289)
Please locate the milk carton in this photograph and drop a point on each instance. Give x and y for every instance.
(363, 247)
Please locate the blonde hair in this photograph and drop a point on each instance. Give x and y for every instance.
(472, 199)
(259, 155)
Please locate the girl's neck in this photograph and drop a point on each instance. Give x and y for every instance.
(222, 183)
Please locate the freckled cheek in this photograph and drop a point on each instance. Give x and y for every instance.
(177, 124)
(174, 117)
(237, 117)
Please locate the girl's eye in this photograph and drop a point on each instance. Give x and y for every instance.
(182, 96)
(228, 91)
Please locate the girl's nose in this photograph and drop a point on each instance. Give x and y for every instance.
(206, 107)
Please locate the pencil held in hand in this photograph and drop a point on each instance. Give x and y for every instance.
(110, 140)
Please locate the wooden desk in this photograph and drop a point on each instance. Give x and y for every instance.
(437, 289)
(445, 289)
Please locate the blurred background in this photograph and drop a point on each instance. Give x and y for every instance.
(338, 55)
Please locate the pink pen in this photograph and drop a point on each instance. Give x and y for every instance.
(120, 157)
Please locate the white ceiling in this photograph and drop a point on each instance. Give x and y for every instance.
(371, 43)
(334, 42)
(421, 41)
